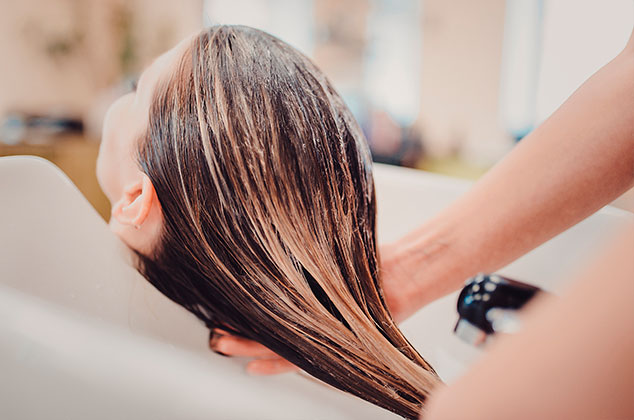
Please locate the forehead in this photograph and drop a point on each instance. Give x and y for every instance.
(161, 66)
(127, 117)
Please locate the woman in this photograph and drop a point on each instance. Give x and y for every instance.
(244, 185)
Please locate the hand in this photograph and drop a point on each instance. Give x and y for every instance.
(394, 278)
(267, 362)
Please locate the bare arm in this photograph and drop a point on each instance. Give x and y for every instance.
(577, 161)
(587, 372)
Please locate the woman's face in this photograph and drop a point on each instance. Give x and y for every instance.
(136, 215)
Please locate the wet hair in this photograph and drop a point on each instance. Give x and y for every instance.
(265, 184)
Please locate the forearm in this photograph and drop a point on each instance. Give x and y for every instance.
(576, 162)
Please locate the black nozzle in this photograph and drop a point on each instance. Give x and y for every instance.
(483, 293)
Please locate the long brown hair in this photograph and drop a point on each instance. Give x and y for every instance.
(265, 183)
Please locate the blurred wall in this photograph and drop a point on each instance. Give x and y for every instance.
(462, 53)
(59, 55)
(56, 56)
(341, 40)
(69, 58)
(53, 54)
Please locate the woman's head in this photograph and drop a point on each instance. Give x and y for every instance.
(136, 215)
(256, 183)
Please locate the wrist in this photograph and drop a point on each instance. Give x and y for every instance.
(425, 266)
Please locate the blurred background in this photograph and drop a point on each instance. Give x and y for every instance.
(443, 86)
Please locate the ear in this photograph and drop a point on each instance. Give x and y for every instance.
(134, 206)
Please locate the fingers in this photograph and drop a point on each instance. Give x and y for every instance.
(272, 366)
(266, 361)
(229, 345)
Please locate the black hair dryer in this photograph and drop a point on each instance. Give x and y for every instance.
(488, 304)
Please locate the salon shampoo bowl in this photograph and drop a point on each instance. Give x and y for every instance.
(84, 336)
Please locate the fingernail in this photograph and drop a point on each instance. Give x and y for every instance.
(214, 336)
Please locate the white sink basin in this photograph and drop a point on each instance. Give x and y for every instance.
(83, 336)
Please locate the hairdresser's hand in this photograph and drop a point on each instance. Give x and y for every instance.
(265, 361)
(394, 277)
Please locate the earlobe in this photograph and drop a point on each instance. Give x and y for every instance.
(133, 208)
